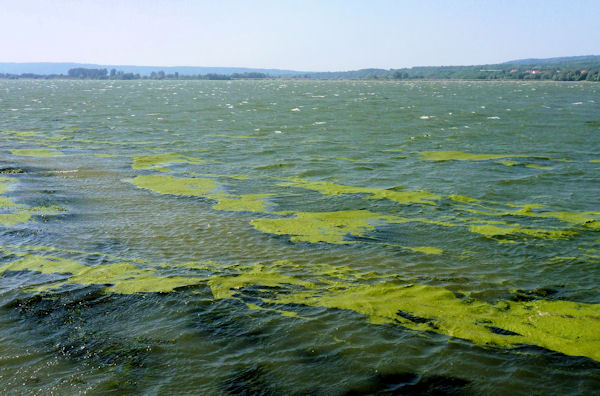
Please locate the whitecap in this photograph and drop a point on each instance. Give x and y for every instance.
(278, 132)
(295, 109)
(493, 118)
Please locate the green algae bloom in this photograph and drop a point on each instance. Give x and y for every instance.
(508, 163)
(227, 286)
(165, 184)
(6, 203)
(425, 249)
(36, 152)
(155, 160)
(491, 230)
(122, 277)
(336, 227)
(563, 326)
(585, 219)
(582, 219)
(43, 264)
(241, 203)
(4, 184)
(127, 278)
(567, 327)
(333, 189)
(331, 227)
(462, 198)
(464, 156)
(15, 218)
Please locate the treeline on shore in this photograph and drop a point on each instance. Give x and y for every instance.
(82, 73)
(466, 73)
(581, 68)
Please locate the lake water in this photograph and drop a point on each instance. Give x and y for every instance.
(299, 237)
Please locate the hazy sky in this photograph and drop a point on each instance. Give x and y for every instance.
(300, 34)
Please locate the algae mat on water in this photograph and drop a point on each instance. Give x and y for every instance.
(36, 152)
(341, 226)
(563, 326)
(416, 215)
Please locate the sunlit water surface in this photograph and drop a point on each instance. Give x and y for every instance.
(294, 237)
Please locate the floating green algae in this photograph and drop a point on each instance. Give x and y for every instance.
(493, 230)
(165, 184)
(43, 264)
(6, 203)
(4, 184)
(535, 166)
(341, 226)
(154, 160)
(241, 203)
(235, 177)
(36, 152)
(223, 286)
(583, 219)
(331, 227)
(336, 227)
(15, 218)
(464, 156)
(563, 326)
(334, 189)
(121, 277)
(425, 249)
(508, 163)
(462, 198)
(104, 155)
(127, 278)
(567, 327)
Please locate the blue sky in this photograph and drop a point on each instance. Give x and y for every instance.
(314, 35)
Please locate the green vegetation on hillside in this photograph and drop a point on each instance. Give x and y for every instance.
(558, 69)
(578, 68)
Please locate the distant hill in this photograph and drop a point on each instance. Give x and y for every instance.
(573, 68)
(569, 59)
(46, 68)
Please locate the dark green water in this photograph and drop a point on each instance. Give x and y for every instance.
(283, 237)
